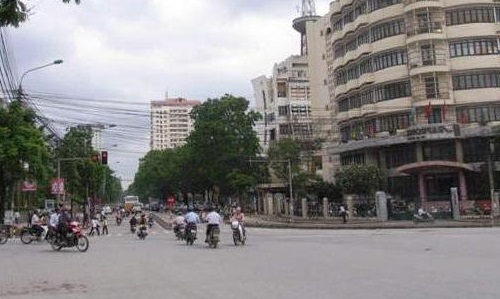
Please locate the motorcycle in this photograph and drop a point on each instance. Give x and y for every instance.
(30, 234)
(74, 238)
(143, 232)
(179, 231)
(424, 218)
(150, 222)
(132, 229)
(6, 233)
(118, 221)
(213, 237)
(190, 233)
(238, 236)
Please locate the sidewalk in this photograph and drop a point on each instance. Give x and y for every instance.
(272, 221)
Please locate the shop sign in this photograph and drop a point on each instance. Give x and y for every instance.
(433, 131)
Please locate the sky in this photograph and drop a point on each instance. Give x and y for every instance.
(121, 54)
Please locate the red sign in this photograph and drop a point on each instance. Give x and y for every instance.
(170, 201)
(28, 186)
(57, 186)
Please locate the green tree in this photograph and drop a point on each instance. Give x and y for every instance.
(221, 143)
(359, 179)
(15, 12)
(23, 151)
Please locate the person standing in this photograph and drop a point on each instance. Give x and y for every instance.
(343, 213)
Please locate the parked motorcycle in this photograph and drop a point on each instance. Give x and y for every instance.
(30, 234)
(143, 232)
(213, 237)
(190, 233)
(74, 238)
(238, 236)
(6, 233)
(179, 231)
(424, 218)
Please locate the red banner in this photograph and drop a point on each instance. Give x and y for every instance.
(28, 186)
(57, 186)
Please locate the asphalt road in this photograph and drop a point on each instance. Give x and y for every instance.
(417, 263)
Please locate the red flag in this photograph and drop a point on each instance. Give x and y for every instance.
(443, 111)
(428, 110)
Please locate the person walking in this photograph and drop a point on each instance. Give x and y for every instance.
(95, 227)
(105, 225)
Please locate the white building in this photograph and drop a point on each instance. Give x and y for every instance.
(414, 88)
(171, 122)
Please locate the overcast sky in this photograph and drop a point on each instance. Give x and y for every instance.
(121, 54)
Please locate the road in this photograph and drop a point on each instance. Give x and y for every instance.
(417, 263)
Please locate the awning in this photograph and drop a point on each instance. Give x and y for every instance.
(432, 166)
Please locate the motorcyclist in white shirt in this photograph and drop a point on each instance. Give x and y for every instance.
(213, 219)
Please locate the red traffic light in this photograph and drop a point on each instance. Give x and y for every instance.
(104, 157)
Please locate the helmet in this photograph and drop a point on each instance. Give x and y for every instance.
(190, 209)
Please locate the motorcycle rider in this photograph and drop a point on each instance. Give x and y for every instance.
(178, 222)
(143, 223)
(213, 219)
(54, 221)
(63, 224)
(191, 218)
(36, 224)
(133, 222)
(150, 220)
(240, 217)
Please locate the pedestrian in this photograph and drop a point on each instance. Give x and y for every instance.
(343, 213)
(105, 225)
(95, 227)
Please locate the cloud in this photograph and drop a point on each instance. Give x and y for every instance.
(136, 50)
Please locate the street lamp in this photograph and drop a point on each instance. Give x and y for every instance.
(58, 61)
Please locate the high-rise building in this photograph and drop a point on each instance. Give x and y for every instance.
(414, 87)
(171, 122)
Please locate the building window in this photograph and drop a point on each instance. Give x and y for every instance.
(470, 15)
(474, 47)
(479, 114)
(439, 151)
(390, 59)
(428, 54)
(283, 110)
(387, 29)
(379, 4)
(478, 80)
(431, 87)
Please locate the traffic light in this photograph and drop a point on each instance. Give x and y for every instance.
(104, 158)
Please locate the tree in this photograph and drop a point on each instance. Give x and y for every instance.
(359, 179)
(15, 12)
(23, 151)
(221, 143)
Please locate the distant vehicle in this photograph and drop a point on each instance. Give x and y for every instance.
(137, 207)
(107, 210)
(130, 202)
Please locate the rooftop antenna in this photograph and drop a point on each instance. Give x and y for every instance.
(308, 8)
(307, 14)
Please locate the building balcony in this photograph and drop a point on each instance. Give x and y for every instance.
(386, 13)
(423, 68)
(411, 5)
(472, 96)
(465, 63)
(425, 34)
(355, 112)
(473, 29)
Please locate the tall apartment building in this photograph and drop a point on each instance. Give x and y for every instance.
(414, 87)
(284, 100)
(171, 122)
